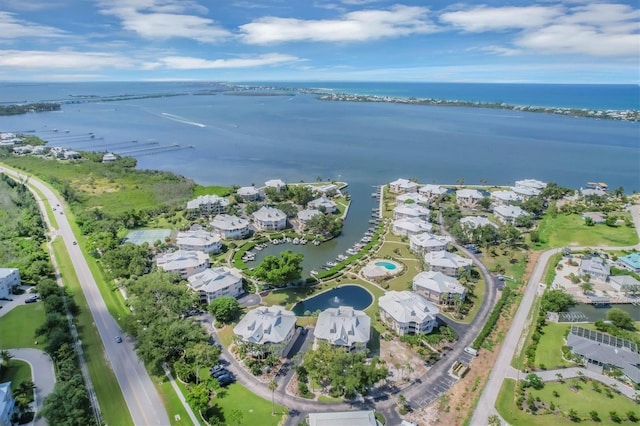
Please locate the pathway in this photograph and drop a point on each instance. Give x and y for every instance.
(42, 375)
(178, 392)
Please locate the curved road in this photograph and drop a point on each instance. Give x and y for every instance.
(142, 399)
(487, 401)
(42, 374)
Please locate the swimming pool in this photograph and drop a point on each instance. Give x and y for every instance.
(387, 265)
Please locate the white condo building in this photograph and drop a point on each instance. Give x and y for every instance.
(184, 262)
(343, 327)
(411, 226)
(400, 186)
(213, 283)
(208, 205)
(231, 227)
(439, 288)
(248, 193)
(446, 262)
(407, 312)
(269, 219)
(9, 277)
(265, 326)
(425, 242)
(200, 240)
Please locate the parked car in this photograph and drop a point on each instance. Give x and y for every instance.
(220, 373)
(31, 299)
(225, 380)
(216, 368)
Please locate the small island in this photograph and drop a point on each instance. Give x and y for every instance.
(16, 109)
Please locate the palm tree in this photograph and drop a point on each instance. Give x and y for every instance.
(586, 287)
(273, 385)
(24, 389)
(5, 358)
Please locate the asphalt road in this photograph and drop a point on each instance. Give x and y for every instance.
(142, 399)
(42, 374)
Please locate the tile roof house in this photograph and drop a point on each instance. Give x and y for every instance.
(595, 267)
(630, 262)
(508, 214)
(343, 418)
(400, 186)
(425, 242)
(249, 193)
(266, 326)
(624, 283)
(201, 240)
(407, 312)
(217, 282)
(184, 262)
(438, 287)
(275, 183)
(504, 197)
(446, 262)
(269, 219)
(9, 277)
(406, 211)
(231, 227)
(323, 203)
(411, 226)
(7, 404)
(432, 191)
(468, 197)
(343, 327)
(208, 205)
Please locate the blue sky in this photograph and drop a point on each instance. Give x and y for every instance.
(320, 40)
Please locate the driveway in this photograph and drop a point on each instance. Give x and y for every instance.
(18, 300)
(42, 375)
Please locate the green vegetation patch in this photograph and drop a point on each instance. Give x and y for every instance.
(549, 350)
(570, 230)
(221, 191)
(253, 409)
(178, 415)
(16, 372)
(19, 326)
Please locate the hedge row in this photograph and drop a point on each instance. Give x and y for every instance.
(493, 319)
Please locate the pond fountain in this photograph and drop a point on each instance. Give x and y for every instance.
(346, 295)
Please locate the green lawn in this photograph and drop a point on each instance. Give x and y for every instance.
(19, 326)
(178, 415)
(16, 372)
(255, 410)
(549, 350)
(583, 401)
(112, 403)
(570, 230)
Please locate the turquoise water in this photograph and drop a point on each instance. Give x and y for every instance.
(346, 295)
(387, 265)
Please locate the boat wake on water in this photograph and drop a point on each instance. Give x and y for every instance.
(181, 119)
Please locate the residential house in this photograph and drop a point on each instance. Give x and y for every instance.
(412, 198)
(411, 226)
(624, 283)
(468, 197)
(200, 240)
(432, 191)
(109, 158)
(305, 215)
(531, 183)
(343, 327)
(329, 189)
(630, 262)
(343, 418)
(446, 262)
(68, 154)
(407, 312)
(605, 351)
(209, 205)
(276, 184)
(406, 211)
(525, 192)
(504, 197)
(400, 186)
(598, 192)
(508, 214)
(7, 404)
(475, 221)
(184, 262)
(269, 219)
(266, 326)
(425, 242)
(595, 267)
(439, 288)
(9, 277)
(217, 282)
(248, 193)
(323, 204)
(231, 227)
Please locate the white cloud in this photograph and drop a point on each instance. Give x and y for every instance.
(63, 60)
(164, 19)
(186, 62)
(482, 18)
(12, 28)
(356, 26)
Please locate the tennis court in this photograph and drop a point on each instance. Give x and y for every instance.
(150, 236)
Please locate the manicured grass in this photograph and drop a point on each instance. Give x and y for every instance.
(225, 334)
(112, 404)
(50, 213)
(16, 372)
(570, 230)
(19, 326)
(405, 280)
(328, 399)
(549, 350)
(221, 191)
(288, 296)
(171, 402)
(512, 261)
(254, 409)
